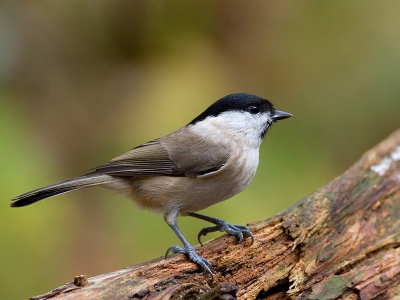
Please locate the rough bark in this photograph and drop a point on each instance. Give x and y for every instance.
(341, 242)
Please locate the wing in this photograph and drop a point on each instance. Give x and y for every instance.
(148, 159)
(196, 155)
(153, 158)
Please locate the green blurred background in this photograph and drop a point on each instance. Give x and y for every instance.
(83, 81)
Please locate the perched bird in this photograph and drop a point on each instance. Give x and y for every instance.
(209, 160)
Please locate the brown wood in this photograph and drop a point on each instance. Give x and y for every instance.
(341, 242)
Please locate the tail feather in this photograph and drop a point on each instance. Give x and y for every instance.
(60, 188)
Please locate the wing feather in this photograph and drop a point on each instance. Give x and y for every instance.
(148, 159)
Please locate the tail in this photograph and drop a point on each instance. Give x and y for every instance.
(60, 188)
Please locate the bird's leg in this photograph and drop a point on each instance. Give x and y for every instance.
(238, 231)
(188, 250)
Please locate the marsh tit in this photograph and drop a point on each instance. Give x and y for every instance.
(209, 160)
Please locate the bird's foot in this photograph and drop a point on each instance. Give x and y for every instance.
(204, 264)
(238, 231)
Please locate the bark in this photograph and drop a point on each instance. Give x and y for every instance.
(341, 242)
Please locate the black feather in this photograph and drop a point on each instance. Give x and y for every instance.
(40, 195)
(59, 188)
(239, 102)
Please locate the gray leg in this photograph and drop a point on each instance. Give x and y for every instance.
(189, 251)
(237, 230)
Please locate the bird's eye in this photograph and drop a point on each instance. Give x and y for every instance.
(253, 109)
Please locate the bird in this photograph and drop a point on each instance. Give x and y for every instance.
(211, 159)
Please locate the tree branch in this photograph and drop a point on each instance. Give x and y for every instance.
(341, 242)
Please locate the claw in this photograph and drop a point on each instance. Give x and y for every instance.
(236, 230)
(204, 232)
(174, 249)
(203, 263)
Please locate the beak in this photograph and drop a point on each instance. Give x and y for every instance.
(280, 115)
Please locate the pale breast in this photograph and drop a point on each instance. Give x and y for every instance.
(163, 194)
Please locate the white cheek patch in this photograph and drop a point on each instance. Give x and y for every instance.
(252, 126)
